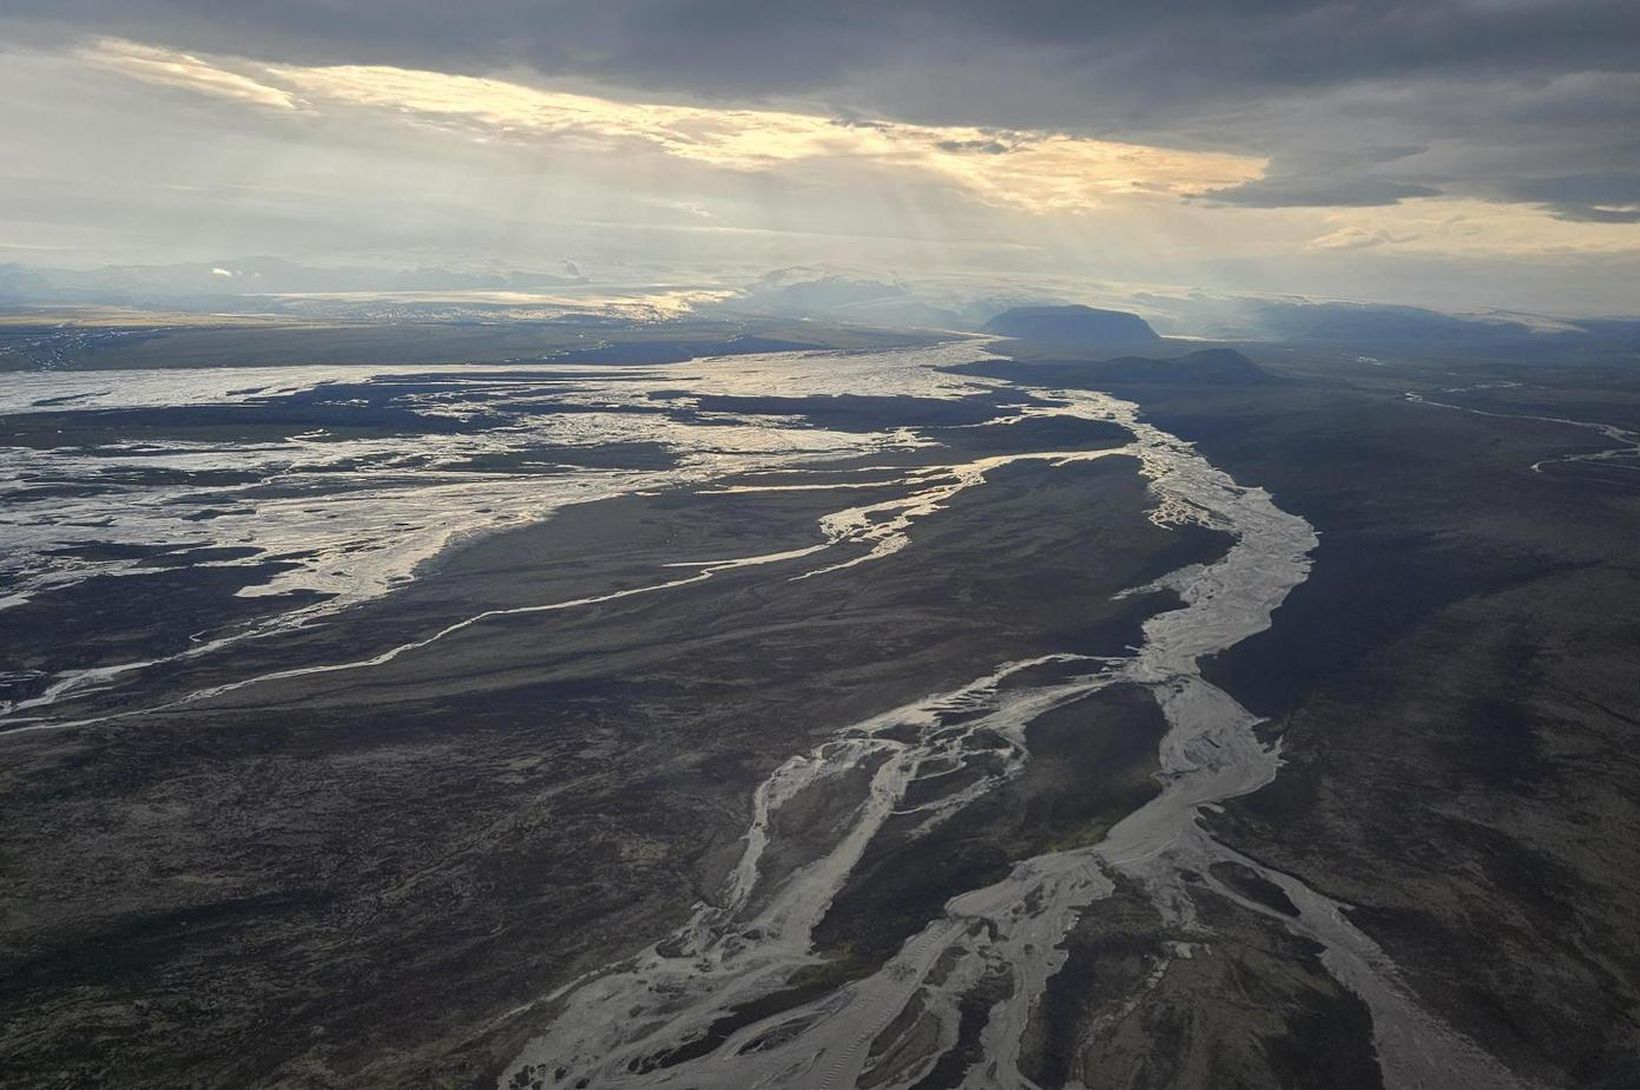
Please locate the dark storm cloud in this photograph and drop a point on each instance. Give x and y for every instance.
(1608, 197)
(983, 147)
(1552, 82)
(781, 46)
(1320, 193)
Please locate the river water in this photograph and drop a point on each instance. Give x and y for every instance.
(318, 519)
(668, 1017)
(361, 512)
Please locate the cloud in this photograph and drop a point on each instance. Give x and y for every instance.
(1477, 147)
(1038, 172)
(1488, 94)
(1320, 193)
(1595, 197)
(1350, 238)
(170, 68)
(1603, 213)
(1201, 48)
(1471, 229)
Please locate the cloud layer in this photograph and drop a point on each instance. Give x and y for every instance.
(1524, 100)
(1186, 140)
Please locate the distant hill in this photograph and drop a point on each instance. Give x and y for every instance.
(208, 283)
(1074, 325)
(1372, 327)
(1210, 367)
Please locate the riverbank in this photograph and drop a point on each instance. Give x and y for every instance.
(1454, 692)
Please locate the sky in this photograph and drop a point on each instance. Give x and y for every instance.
(1454, 153)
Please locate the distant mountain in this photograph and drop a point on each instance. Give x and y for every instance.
(1375, 326)
(21, 285)
(1371, 324)
(821, 296)
(1074, 325)
(1210, 367)
(207, 282)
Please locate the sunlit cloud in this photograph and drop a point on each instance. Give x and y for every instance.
(1472, 228)
(169, 68)
(1350, 238)
(112, 162)
(1036, 172)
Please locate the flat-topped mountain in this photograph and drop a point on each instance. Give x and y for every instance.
(1076, 325)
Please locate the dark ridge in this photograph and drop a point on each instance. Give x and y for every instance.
(1208, 367)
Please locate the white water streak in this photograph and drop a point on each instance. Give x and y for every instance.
(1628, 440)
(618, 1028)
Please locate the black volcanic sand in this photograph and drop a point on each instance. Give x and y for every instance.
(259, 342)
(1456, 686)
(351, 878)
(1092, 763)
(1235, 1002)
(1205, 367)
(384, 406)
(115, 619)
